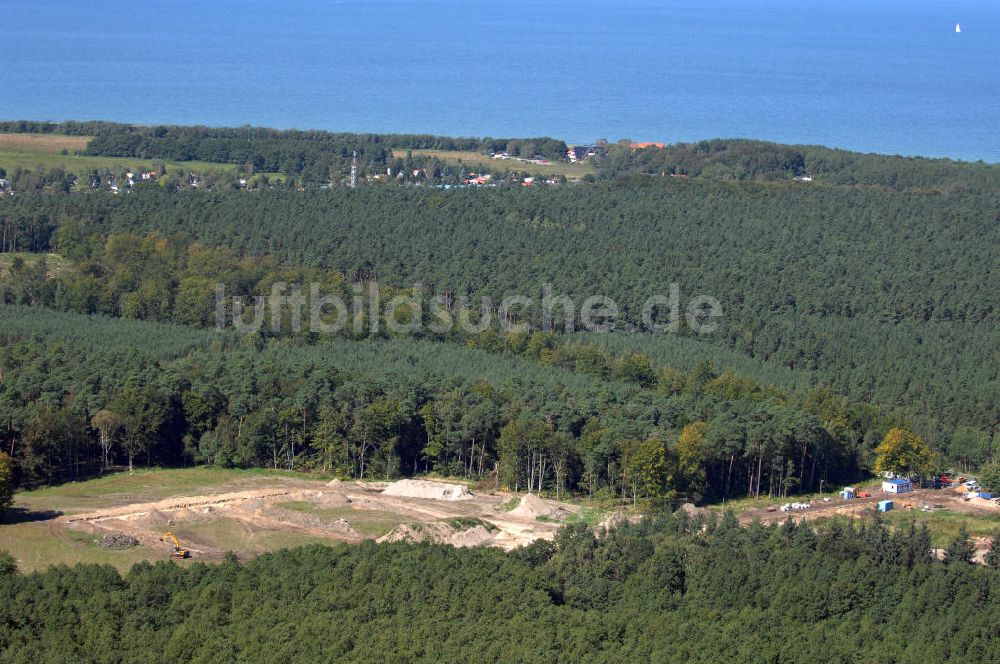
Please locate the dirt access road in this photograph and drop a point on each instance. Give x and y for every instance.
(949, 499)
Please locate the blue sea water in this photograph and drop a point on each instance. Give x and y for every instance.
(875, 75)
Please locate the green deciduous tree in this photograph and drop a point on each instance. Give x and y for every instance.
(141, 411)
(692, 454)
(989, 477)
(644, 465)
(902, 452)
(6, 481)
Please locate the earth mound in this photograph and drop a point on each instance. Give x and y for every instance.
(153, 519)
(532, 507)
(475, 536)
(427, 489)
(340, 526)
(411, 532)
(439, 533)
(333, 497)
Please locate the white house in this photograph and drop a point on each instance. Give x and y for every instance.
(897, 486)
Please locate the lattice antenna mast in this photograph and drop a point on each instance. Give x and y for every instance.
(354, 170)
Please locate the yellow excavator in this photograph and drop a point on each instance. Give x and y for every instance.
(178, 551)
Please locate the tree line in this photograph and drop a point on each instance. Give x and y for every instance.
(311, 153)
(746, 160)
(80, 394)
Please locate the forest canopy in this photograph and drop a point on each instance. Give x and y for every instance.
(662, 590)
(789, 390)
(522, 411)
(809, 279)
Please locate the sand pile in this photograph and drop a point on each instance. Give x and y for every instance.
(426, 489)
(163, 519)
(532, 507)
(337, 486)
(339, 526)
(475, 536)
(333, 499)
(439, 533)
(407, 532)
(153, 519)
(506, 541)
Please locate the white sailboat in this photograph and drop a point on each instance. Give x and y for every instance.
(958, 27)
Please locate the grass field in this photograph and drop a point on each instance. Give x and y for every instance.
(39, 544)
(742, 503)
(29, 151)
(944, 525)
(143, 486)
(43, 143)
(48, 151)
(478, 160)
(79, 164)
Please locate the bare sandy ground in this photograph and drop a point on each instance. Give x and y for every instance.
(949, 499)
(448, 517)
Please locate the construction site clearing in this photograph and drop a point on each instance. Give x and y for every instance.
(122, 519)
(955, 500)
(410, 511)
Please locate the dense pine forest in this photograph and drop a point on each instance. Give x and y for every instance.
(859, 319)
(757, 160)
(667, 589)
(523, 411)
(851, 305)
(811, 280)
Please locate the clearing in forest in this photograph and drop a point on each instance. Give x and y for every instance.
(213, 511)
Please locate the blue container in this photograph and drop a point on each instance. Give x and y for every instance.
(986, 495)
(884, 505)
